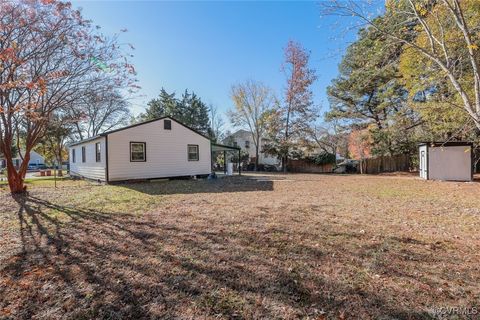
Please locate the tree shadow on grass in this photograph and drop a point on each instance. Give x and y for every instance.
(221, 185)
(77, 263)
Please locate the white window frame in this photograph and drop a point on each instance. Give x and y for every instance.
(144, 145)
(197, 153)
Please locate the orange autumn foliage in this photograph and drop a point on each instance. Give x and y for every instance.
(359, 144)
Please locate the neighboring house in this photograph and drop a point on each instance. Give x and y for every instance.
(158, 148)
(244, 140)
(35, 160)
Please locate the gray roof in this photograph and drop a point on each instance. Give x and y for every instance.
(135, 125)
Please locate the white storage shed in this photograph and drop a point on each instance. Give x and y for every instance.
(449, 161)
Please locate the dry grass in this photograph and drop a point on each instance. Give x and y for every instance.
(296, 246)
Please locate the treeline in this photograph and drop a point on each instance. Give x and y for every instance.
(285, 121)
(412, 75)
(188, 109)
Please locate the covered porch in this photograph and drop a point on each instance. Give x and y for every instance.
(222, 155)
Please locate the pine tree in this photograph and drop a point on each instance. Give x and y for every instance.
(200, 111)
(161, 106)
(189, 109)
(369, 91)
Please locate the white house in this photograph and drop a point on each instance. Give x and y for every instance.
(446, 161)
(158, 148)
(244, 140)
(36, 160)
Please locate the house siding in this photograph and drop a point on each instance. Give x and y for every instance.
(166, 152)
(241, 136)
(90, 169)
(35, 159)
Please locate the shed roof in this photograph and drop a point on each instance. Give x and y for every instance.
(446, 143)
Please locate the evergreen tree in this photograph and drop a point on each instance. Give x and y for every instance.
(161, 106)
(369, 91)
(197, 114)
(441, 40)
(189, 109)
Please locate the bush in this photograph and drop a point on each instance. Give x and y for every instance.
(323, 158)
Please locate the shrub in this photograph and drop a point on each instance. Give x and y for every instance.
(323, 158)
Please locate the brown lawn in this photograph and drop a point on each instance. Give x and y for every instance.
(294, 246)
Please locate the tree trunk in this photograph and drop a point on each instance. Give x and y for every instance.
(15, 182)
(59, 167)
(284, 163)
(256, 157)
(16, 178)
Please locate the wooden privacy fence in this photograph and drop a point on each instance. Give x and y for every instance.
(386, 164)
(372, 165)
(308, 167)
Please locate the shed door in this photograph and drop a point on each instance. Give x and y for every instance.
(423, 165)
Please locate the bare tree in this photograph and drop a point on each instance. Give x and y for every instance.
(329, 138)
(53, 143)
(443, 32)
(216, 124)
(48, 56)
(98, 112)
(252, 100)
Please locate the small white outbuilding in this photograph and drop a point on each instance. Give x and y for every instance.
(449, 161)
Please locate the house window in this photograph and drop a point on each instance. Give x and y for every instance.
(73, 156)
(167, 124)
(193, 152)
(138, 152)
(84, 154)
(235, 144)
(98, 157)
(247, 144)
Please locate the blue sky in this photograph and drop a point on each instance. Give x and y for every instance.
(208, 46)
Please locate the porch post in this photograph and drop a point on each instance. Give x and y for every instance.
(239, 161)
(224, 162)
